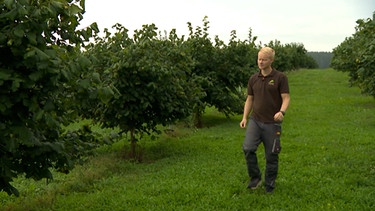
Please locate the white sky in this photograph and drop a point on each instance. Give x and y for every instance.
(320, 25)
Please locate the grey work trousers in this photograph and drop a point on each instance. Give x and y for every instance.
(256, 133)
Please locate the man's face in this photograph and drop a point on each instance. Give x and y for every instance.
(264, 61)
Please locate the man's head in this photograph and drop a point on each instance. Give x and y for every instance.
(266, 56)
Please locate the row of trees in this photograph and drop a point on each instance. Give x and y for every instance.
(323, 59)
(51, 76)
(158, 79)
(356, 55)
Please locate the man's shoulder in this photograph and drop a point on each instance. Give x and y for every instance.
(279, 73)
(255, 75)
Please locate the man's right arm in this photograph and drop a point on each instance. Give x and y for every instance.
(246, 110)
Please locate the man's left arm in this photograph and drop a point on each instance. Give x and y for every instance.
(285, 104)
(279, 116)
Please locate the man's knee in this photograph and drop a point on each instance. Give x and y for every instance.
(250, 154)
(272, 158)
(249, 149)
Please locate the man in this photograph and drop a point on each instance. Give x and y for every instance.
(267, 100)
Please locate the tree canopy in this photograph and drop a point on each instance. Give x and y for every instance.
(356, 55)
(36, 38)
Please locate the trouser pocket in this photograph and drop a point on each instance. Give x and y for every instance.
(276, 145)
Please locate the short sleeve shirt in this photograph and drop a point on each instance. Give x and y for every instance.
(267, 91)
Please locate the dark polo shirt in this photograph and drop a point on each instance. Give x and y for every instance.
(267, 94)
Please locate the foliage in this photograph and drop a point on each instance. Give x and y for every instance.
(36, 38)
(150, 76)
(356, 55)
(292, 56)
(223, 70)
(204, 169)
(233, 69)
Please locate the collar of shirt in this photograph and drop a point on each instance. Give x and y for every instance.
(260, 75)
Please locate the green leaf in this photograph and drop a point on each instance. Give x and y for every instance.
(94, 26)
(82, 3)
(42, 56)
(4, 76)
(16, 84)
(56, 5)
(64, 73)
(24, 134)
(3, 38)
(51, 53)
(84, 62)
(57, 147)
(39, 115)
(19, 32)
(105, 94)
(35, 76)
(22, 11)
(9, 3)
(85, 83)
(74, 10)
(29, 54)
(49, 106)
(96, 77)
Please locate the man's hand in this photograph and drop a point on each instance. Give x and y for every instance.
(278, 117)
(243, 123)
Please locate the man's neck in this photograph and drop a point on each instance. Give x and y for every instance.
(267, 71)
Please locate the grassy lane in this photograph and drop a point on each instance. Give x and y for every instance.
(327, 162)
(329, 143)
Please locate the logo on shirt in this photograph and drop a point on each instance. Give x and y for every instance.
(271, 82)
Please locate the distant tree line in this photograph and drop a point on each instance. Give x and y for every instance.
(291, 56)
(323, 59)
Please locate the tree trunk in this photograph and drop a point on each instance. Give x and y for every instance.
(197, 119)
(133, 144)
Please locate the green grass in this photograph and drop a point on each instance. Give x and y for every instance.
(327, 162)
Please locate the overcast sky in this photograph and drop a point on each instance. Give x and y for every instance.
(320, 25)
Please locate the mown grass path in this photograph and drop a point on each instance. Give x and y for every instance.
(327, 162)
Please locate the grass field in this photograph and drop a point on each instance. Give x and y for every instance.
(327, 162)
